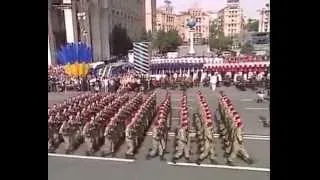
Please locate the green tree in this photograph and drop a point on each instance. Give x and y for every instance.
(253, 25)
(167, 41)
(247, 48)
(120, 42)
(146, 36)
(217, 39)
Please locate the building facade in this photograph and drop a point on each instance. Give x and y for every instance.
(165, 18)
(230, 19)
(99, 18)
(151, 15)
(213, 16)
(201, 30)
(264, 21)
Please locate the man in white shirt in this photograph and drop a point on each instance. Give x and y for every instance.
(105, 84)
(235, 77)
(213, 81)
(203, 76)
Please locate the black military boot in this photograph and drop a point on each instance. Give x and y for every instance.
(162, 158)
(230, 163)
(113, 154)
(213, 161)
(188, 160)
(130, 156)
(174, 160)
(148, 157)
(248, 160)
(87, 153)
(102, 154)
(198, 161)
(67, 151)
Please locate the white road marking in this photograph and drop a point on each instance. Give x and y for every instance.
(248, 137)
(253, 108)
(90, 157)
(221, 166)
(246, 100)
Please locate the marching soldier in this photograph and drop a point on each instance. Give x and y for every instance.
(53, 133)
(90, 133)
(130, 140)
(182, 143)
(237, 145)
(76, 128)
(209, 144)
(66, 132)
(157, 139)
(109, 144)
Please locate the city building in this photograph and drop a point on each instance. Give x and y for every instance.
(213, 16)
(264, 22)
(165, 18)
(230, 19)
(151, 15)
(260, 42)
(201, 30)
(96, 19)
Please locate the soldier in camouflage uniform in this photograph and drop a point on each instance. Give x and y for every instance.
(237, 146)
(130, 140)
(109, 145)
(157, 139)
(209, 143)
(67, 134)
(183, 143)
(90, 133)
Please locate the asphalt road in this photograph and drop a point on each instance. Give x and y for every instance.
(257, 143)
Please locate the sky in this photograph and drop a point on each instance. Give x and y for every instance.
(249, 7)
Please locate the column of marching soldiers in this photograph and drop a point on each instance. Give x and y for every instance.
(102, 121)
(105, 121)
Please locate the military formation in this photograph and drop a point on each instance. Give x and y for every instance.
(205, 132)
(104, 121)
(160, 129)
(230, 128)
(139, 123)
(182, 139)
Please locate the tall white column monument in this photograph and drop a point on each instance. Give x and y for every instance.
(191, 24)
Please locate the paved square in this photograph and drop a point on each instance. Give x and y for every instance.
(257, 142)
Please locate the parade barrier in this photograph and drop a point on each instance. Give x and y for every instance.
(207, 60)
(187, 65)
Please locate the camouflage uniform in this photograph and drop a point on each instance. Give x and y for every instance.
(157, 140)
(90, 133)
(183, 144)
(130, 140)
(67, 134)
